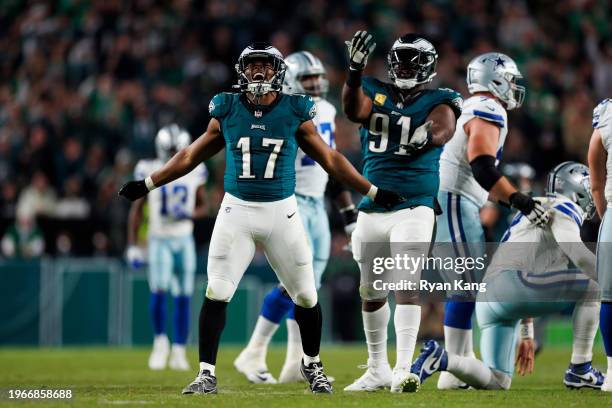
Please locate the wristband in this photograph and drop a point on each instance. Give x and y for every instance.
(372, 192)
(347, 208)
(149, 183)
(354, 78)
(526, 331)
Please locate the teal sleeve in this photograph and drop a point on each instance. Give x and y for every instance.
(369, 86)
(451, 98)
(305, 107)
(219, 105)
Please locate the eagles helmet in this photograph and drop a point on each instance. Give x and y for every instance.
(303, 64)
(412, 61)
(169, 140)
(571, 180)
(260, 50)
(496, 73)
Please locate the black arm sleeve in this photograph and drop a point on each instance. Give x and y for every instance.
(485, 172)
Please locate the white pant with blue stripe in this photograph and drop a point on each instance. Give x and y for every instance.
(316, 224)
(172, 265)
(540, 293)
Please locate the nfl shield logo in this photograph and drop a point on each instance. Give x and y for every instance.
(258, 113)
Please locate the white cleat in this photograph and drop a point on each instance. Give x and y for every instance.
(404, 381)
(376, 377)
(159, 355)
(447, 381)
(178, 358)
(254, 369)
(291, 373)
(607, 384)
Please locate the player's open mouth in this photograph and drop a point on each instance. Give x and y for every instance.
(258, 76)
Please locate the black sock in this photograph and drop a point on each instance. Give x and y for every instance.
(212, 321)
(310, 322)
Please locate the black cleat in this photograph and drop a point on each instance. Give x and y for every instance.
(318, 381)
(204, 383)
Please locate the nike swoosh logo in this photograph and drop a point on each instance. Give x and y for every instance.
(433, 367)
(291, 215)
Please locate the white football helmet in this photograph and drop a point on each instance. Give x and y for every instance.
(300, 65)
(496, 73)
(169, 140)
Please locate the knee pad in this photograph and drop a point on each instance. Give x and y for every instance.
(368, 293)
(307, 298)
(220, 289)
(459, 314)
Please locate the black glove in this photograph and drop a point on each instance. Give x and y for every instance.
(388, 199)
(359, 48)
(532, 209)
(349, 215)
(133, 190)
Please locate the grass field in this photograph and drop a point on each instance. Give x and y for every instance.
(110, 377)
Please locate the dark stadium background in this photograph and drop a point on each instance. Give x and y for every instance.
(84, 86)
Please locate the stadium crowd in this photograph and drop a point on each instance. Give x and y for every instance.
(84, 86)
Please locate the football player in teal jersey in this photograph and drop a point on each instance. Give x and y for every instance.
(260, 129)
(403, 128)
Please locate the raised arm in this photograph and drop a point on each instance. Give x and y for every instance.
(597, 171)
(185, 160)
(355, 103)
(340, 168)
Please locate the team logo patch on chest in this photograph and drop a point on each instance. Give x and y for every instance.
(379, 99)
(260, 127)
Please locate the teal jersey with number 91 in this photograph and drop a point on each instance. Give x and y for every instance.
(386, 162)
(260, 143)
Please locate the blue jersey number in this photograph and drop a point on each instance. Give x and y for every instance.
(325, 129)
(179, 191)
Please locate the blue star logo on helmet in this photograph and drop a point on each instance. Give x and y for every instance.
(499, 62)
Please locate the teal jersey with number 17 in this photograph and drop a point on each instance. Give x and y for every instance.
(260, 143)
(384, 134)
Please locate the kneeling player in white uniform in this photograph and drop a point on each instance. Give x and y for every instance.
(532, 264)
(305, 75)
(469, 174)
(171, 249)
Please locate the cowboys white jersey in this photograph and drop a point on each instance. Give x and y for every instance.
(455, 171)
(602, 120)
(529, 248)
(310, 178)
(171, 205)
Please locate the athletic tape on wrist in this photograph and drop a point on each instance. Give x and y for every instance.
(372, 192)
(149, 183)
(527, 331)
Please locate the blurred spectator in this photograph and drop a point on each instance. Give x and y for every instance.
(23, 239)
(38, 198)
(82, 81)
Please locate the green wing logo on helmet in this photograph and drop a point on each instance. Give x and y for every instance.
(211, 107)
